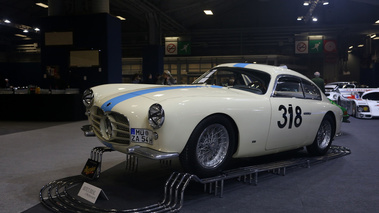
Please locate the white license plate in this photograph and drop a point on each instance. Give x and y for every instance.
(141, 136)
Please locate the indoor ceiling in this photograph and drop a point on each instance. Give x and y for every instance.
(247, 22)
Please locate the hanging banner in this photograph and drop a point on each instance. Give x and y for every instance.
(315, 46)
(301, 47)
(171, 48)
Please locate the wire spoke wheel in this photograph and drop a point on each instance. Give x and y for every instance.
(212, 146)
(324, 135)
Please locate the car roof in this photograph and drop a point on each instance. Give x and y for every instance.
(272, 70)
(340, 82)
(371, 91)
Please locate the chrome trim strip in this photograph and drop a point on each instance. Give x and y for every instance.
(150, 153)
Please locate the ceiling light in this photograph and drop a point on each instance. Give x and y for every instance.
(121, 18)
(7, 21)
(37, 29)
(171, 39)
(42, 5)
(316, 37)
(25, 31)
(351, 47)
(208, 12)
(306, 3)
(20, 35)
(373, 35)
(300, 18)
(377, 22)
(361, 45)
(325, 2)
(314, 19)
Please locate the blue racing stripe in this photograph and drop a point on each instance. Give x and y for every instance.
(108, 105)
(241, 65)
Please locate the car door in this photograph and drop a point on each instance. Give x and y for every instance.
(291, 114)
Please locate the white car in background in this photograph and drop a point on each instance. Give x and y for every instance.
(367, 106)
(332, 90)
(233, 110)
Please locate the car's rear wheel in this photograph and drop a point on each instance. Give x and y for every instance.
(210, 147)
(324, 137)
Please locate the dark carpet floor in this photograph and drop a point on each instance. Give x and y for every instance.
(346, 184)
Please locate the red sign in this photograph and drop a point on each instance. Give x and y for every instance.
(330, 46)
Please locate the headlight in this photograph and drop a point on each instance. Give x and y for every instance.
(88, 98)
(335, 97)
(363, 109)
(156, 116)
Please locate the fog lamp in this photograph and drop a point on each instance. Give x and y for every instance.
(107, 127)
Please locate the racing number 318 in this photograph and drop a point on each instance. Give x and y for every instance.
(296, 122)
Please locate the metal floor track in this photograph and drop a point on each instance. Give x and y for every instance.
(55, 197)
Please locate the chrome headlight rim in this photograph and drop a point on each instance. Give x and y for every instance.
(156, 116)
(88, 98)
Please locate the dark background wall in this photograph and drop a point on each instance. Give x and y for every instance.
(99, 32)
(21, 74)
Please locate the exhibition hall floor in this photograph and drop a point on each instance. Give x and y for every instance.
(36, 153)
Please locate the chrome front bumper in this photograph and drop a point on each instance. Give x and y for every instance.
(151, 153)
(137, 150)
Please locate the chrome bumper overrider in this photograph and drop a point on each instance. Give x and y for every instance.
(150, 153)
(87, 130)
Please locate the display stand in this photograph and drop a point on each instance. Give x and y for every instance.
(55, 195)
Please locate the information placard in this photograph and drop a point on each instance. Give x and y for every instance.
(90, 169)
(90, 192)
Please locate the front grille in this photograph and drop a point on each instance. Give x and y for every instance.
(120, 123)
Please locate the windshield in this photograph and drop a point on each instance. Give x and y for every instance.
(238, 78)
(374, 96)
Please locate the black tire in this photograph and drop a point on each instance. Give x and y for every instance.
(354, 110)
(324, 137)
(339, 101)
(210, 147)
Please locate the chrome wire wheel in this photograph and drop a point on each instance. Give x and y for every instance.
(324, 135)
(212, 146)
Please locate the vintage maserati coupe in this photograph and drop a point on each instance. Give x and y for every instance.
(234, 110)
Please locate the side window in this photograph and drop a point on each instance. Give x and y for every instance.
(288, 87)
(311, 91)
(225, 78)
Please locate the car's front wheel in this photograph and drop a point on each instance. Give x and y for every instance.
(210, 147)
(324, 137)
(354, 110)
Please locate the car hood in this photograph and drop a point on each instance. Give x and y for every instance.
(110, 95)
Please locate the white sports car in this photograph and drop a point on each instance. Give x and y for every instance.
(234, 110)
(367, 106)
(332, 90)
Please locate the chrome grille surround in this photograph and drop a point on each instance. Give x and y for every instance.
(117, 130)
